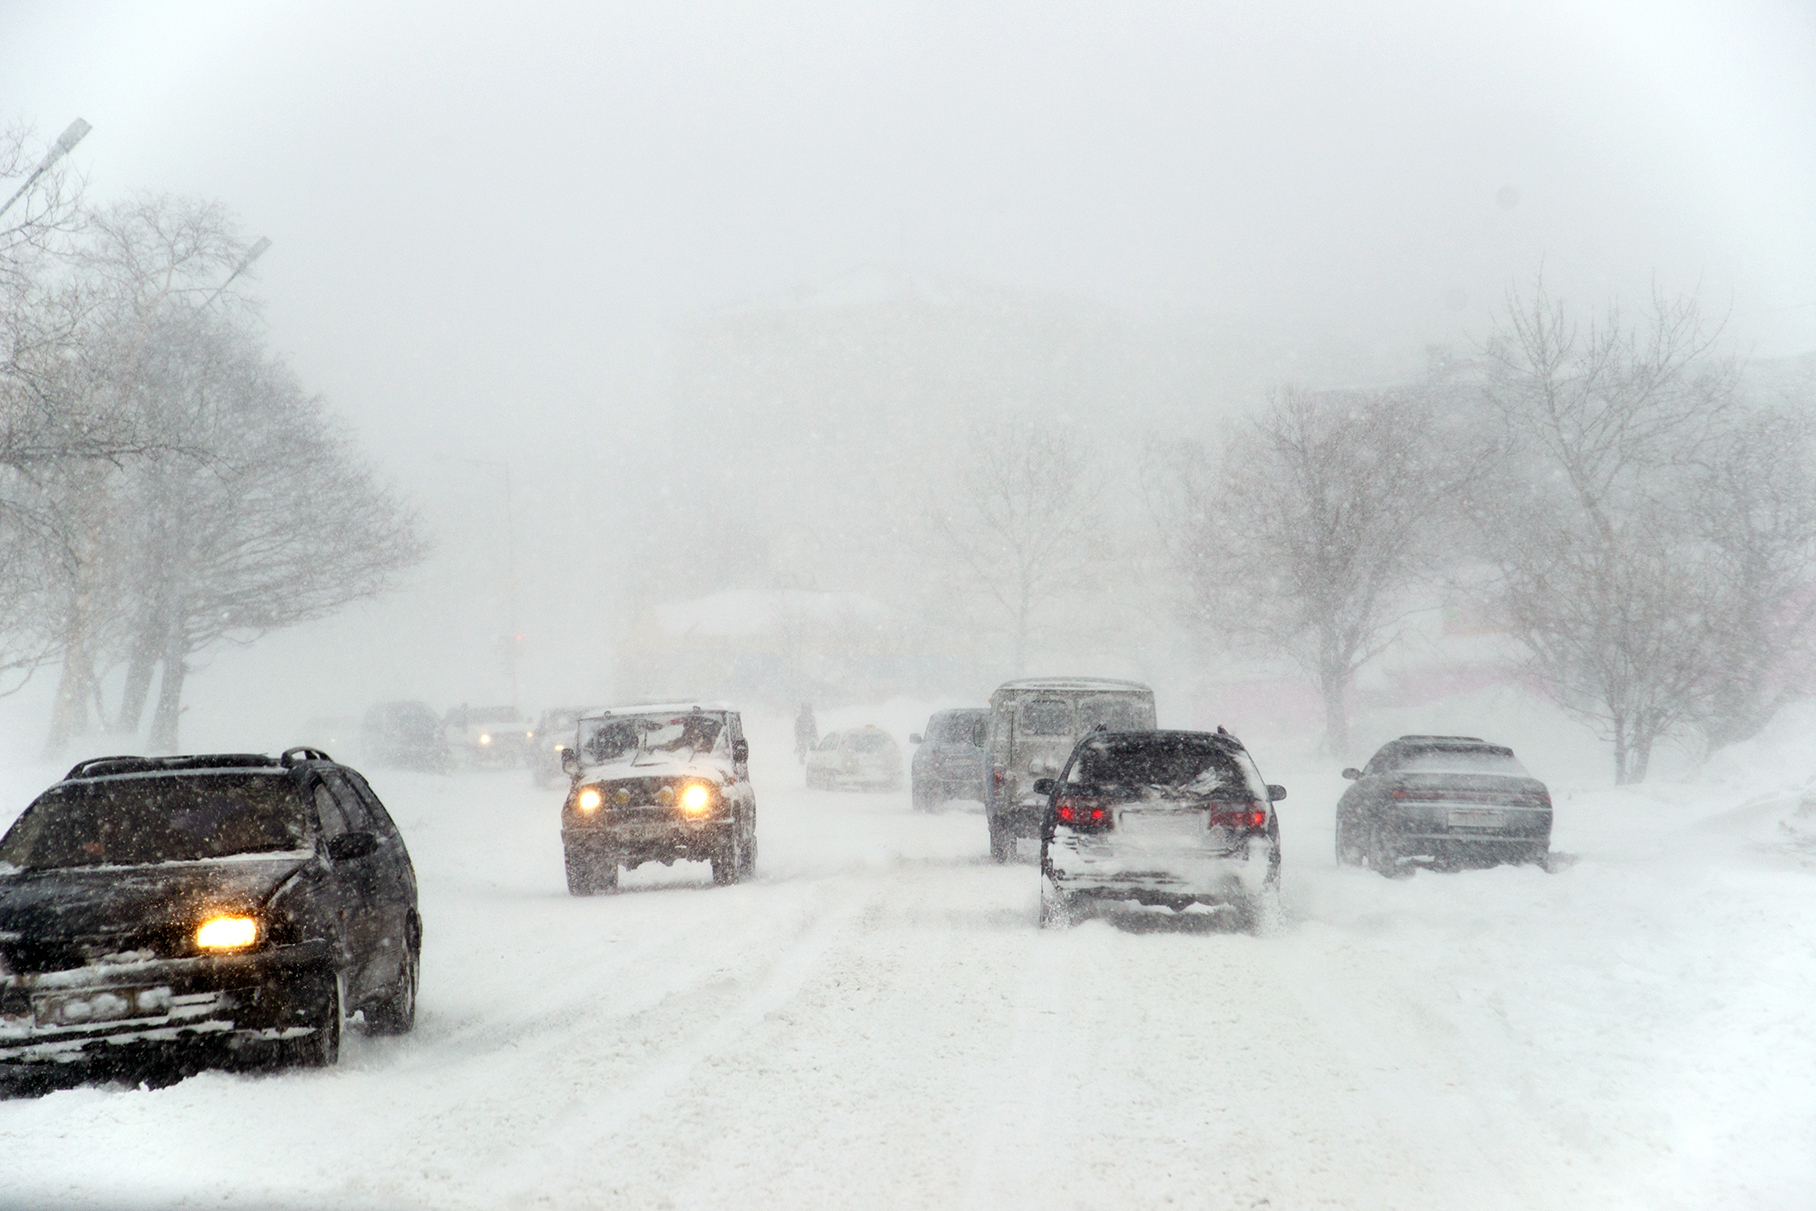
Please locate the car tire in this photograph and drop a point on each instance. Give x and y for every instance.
(321, 1048)
(728, 862)
(589, 872)
(395, 1012)
(1058, 909)
(1348, 852)
(748, 869)
(923, 802)
(1002, 843)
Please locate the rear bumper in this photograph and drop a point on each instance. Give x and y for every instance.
(229, 1000)
(1096, 865)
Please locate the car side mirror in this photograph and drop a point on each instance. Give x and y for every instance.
(740, 751)
(1044, 786)
(1275, 792)
(570, 761)
(349, 846)
(1352, 773)
(914, 738)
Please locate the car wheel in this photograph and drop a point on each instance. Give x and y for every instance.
(1348, 852)
(579, 872)
(728, 862)
(923, 802)
(1002, 843)
(395, 1013)
(1058, 909)
(321, 1048)
(749, 868)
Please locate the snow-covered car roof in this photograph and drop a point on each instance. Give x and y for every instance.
(656, 708)
(1072, 683)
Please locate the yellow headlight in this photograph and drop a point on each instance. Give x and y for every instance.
(485, 740)
(665, 796)
(588, 800)
(696, 799)
(227, 933)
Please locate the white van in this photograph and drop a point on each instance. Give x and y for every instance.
(1034, 724)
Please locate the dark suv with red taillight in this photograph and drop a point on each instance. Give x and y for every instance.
(1161, 818)
(1442, 801)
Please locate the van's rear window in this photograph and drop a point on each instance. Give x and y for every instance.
(1046, 717)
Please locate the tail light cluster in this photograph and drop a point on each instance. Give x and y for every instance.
(1084, 814)
(1241, 817)
(1405, 794)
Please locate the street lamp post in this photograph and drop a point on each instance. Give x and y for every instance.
(252, 254)
(71, 136)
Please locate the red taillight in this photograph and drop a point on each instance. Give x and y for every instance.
(1251, 817)
(997, 775)
(1086, 815)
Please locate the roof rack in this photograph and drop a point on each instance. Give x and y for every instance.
(290, 757)
(1460, 739)
(98, 767)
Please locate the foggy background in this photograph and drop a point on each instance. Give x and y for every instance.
(723, 289)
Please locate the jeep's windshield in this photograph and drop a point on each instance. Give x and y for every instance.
(624, 739)
(158, 818)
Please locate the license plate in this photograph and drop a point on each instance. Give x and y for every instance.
(1163, 824)
(100, 1005)
(1477, 817)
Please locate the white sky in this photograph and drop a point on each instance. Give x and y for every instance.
(485, 218)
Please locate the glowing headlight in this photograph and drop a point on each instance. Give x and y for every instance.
(588, 800)
(485, 740)
(696, 798)
(227, 933)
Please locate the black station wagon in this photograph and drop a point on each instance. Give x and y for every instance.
(203, 909)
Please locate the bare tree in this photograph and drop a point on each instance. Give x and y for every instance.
(1022, 528)
(1307, 532)
(277, 522)
(1608, 418)
(1755, 497)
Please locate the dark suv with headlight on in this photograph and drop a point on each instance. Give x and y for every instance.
(657, 783)
(201, 909)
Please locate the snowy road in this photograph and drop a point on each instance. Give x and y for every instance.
(876, 1022)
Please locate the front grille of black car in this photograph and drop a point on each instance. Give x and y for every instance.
(33, 956)
(638, 792)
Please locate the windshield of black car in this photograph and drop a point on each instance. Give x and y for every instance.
(626, 738)
(1441, 760)
(157, 818)
(1186, 767)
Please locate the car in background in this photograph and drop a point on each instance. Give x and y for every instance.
(1161, 818)
(1442, 801)
(949, 760)
(859, 758)
(489, 737)
(405, 734)
(552, 736)
(160, 911)
(658, 783)
(1034, 725)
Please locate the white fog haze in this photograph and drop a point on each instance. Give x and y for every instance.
(1324, 373)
